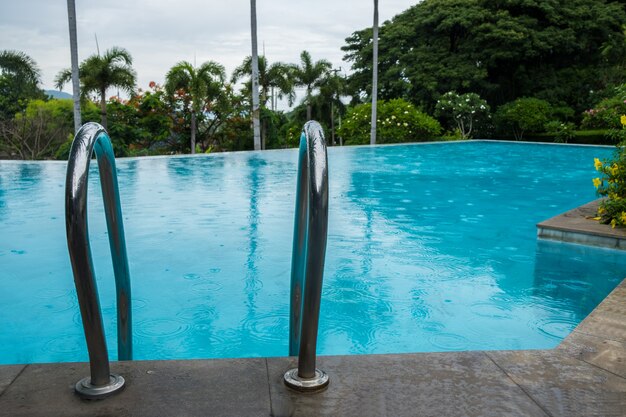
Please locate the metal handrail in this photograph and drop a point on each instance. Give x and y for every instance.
(90, 137)
(307, 262)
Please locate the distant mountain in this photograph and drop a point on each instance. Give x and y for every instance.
(57, 94)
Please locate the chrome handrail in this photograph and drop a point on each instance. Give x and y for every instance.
(307, 262)
(92, 137)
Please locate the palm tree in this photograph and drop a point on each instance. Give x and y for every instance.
(277, 75)
(332, 86)
(71, 17)
(256, 113)
(374, 75)
(99, 73)
(309, 75)
(19, 80)
(202, 84)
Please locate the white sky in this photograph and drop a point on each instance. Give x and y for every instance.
(160, 33)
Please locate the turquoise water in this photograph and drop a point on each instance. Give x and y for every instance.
(431, 248)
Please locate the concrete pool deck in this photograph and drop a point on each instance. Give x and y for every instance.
(584, 376)
(578, 226)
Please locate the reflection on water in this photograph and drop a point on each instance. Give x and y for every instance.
(429, 248)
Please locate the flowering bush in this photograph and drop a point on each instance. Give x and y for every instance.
(562, 131)
(397, 121)
(612, 184)
(606, 114)
(462, 110)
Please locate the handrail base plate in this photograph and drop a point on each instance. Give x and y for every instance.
(318, 383)
(86, 390)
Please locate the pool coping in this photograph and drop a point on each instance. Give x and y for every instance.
(584, 375)
(579, 226)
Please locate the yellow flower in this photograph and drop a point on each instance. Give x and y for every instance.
(623, 217)
(623, 119)
(597, 182)
(614, 169)
(601, 210)
(597, 163)
(613, 223)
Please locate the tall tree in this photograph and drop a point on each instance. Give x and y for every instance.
(99, 73)
(19, 82)
(71, 17)
(309, 75)
(374, 74)
(201, 85)
(501, 50)
(256, 112)
(275, 78)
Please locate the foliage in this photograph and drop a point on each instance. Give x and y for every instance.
(398, 121)
(19, 82)
(99, 73)
(275, 76)
(606, 114)
(309, 75)
(561, 51)
(38, 131)
(612, 185)
(461, 111)
(194, 91)
(524, 115)
(563, 132)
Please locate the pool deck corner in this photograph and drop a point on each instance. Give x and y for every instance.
(584, 376)
(578, 226)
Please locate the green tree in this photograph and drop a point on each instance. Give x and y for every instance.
(461, 111)
(501, 50)
(99, 73)
(19, 82)
(196, 87)
(309, 75)
(273, 79)
(37, 131)
(524, 115)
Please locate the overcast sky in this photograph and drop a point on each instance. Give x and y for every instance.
(159, 33)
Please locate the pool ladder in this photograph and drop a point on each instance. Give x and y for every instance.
(309, 249)
(101, 383)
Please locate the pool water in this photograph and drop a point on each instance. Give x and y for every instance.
(431, 248)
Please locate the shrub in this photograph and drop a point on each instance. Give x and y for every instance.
(612, 185)
(397, 121)
(462, 111)
(523, 115)
(606, 114)
(563, 132)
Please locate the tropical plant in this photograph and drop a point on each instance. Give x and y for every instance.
(309, 75)
(274, 80)
(195, 88)
(524, 115)
(38, 131)
(19, 82)
(398, 121)
(612, 185)
(99, 73)
(461, 111)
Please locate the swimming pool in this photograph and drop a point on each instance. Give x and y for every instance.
(431, 247)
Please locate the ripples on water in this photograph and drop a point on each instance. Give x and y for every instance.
(430, 248)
